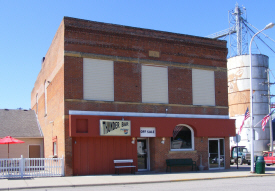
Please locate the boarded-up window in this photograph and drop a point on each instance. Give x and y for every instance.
(82, 126)
(98, 79)
(203, 86)
(154, 84)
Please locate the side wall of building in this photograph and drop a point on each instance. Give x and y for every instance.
(50, 107)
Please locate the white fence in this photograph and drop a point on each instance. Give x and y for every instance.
(31, 167)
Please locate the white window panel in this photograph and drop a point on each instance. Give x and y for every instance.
(203, 86)
(98, 79)
(154, 84)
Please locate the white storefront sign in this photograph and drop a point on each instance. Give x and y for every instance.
(147, 132)
(115, 128)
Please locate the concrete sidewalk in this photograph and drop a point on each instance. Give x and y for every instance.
(77, 181)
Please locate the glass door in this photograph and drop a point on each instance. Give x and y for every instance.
(216, 153)
(142, 154)
(222, 157)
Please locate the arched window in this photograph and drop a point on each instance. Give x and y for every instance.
(183, 138)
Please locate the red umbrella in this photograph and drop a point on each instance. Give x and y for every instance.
(10, 140)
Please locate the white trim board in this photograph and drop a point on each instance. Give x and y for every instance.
(133, 114)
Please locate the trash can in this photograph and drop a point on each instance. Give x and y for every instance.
(260, 165)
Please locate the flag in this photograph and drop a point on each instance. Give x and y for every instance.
(246, 115)
(265, 119)
(176, 131)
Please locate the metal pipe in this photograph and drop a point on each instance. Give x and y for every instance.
(270, 25)
(269, 111)
(238, 30)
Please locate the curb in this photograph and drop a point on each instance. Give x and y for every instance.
(122, 183)
(213, 178)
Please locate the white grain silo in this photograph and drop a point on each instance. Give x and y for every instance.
(239, 98)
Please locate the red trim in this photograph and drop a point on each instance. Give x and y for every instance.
(54, 139)
(164, 126)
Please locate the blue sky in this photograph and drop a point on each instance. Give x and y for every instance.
(28, 27)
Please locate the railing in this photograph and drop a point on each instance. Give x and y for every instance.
(31, 167)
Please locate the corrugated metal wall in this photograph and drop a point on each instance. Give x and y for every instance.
(96, 155)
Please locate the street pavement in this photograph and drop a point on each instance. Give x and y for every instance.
(96, 180)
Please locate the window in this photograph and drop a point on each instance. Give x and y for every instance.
(54, 149)
(203, 87)
(154, 84)
(98, 79)
(54, 139)
(183, 138)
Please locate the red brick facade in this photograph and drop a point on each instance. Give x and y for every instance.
(129, 48)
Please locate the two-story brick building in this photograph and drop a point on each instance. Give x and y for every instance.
(109, 92)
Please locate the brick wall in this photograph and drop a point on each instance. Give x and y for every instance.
(227, 152)
(160, 152)
(127, 91)
(221, 92)
(101, 38)
(180, 85)
(127, 82)
(52, 71)
(73, 76)
(87, 38)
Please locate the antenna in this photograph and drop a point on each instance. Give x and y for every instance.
(237, 32)
(238, 42)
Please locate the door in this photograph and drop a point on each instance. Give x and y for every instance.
(216, 153)
(143, 154)
(34, 151)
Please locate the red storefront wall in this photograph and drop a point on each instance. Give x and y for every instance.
(94, 154)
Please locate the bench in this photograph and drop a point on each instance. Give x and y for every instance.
(124, 161)
(180, 162)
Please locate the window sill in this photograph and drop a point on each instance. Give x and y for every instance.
(181, 151)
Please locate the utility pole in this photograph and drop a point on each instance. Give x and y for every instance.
(269, 109)
(270, 120)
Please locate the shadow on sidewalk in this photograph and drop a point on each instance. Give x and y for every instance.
(248, 167)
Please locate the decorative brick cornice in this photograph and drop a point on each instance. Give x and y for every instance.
(137, 103)
(141, 61)
(141, 50)
(107, 28)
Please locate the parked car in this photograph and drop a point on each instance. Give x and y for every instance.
(244, 157)
(269, 158)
